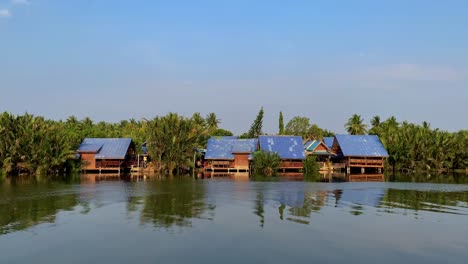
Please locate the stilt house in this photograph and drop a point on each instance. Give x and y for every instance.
(322, 152)
(229, 154)
(360, 151)
(289, 148)
(106, 154)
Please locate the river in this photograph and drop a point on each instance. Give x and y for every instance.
(92, 219)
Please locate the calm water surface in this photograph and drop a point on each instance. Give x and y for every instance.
(232, 220)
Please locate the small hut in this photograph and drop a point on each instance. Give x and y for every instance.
(229, 154)
(321, 151)
(107, 154)
(289, 148)
(360, 152)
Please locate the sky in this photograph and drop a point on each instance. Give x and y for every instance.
(326, 60)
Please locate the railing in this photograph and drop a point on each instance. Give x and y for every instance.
(108, 164)
(291, 164)
(366, 162)
(338, 165)
(220, 164)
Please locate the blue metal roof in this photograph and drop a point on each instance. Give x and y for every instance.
(109, 148)
(287, 147)
(311, 145)
(361, 145)
(224, 147)
(328, 141)
(90, 148)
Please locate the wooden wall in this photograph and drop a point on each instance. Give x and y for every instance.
(87, 161)
(241, 160)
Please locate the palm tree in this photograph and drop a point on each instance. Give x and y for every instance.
(212, 122)
(375, 121)
(356, 126)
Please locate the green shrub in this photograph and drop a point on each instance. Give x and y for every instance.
(266, 163)
(311, 165)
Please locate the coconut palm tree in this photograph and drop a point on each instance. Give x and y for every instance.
(212, 122)
(356, 126)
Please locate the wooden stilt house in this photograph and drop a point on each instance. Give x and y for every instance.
(229, 154)
(321, 151)
(107, 154)
(289, 148)
(360, 152)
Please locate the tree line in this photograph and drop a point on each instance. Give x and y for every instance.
(414, 147)
(33, 144)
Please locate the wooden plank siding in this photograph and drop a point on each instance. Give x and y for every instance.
(365, 162)
(291, 164)
(241, 162)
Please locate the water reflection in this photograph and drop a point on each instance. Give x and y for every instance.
(26, 202)
(173, 203)
(414, 201)
(179, 202)
(300, 205)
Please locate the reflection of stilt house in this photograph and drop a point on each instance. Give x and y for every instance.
(106, 154)
(364, 152)
(289, 148)
(321, 151)
(229, 154)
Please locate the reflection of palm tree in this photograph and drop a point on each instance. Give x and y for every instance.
(259, 210)
(356, 126)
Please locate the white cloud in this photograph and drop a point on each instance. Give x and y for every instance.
(5, 13)
(20, 2)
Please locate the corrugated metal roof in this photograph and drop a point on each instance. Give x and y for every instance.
(361, 145)
(312, 145)
(287, 147)
(111, 148)
(224, 147)
(328, 141)
(90, 148)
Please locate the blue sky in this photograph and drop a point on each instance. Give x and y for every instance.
(113, 60)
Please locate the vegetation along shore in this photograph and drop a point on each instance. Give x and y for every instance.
(36, 145)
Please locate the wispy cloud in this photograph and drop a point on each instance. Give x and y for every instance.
(5, 13)
(20, 2)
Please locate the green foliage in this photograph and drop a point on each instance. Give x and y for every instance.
(300, 126)
(281, 124)
(256, 127)
(356, 126)
(266, 163)
(311, 165)
(212, 122)
(171, 140)
(221, 133)
(32, 144)
(418, 147)
(244, 136)
(38, 146)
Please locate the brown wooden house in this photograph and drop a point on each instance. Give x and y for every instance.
(229, 154)
(107, 154)
(360, 152)
(321, 151)
(289, 148)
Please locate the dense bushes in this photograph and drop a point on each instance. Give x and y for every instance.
(266, 163)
